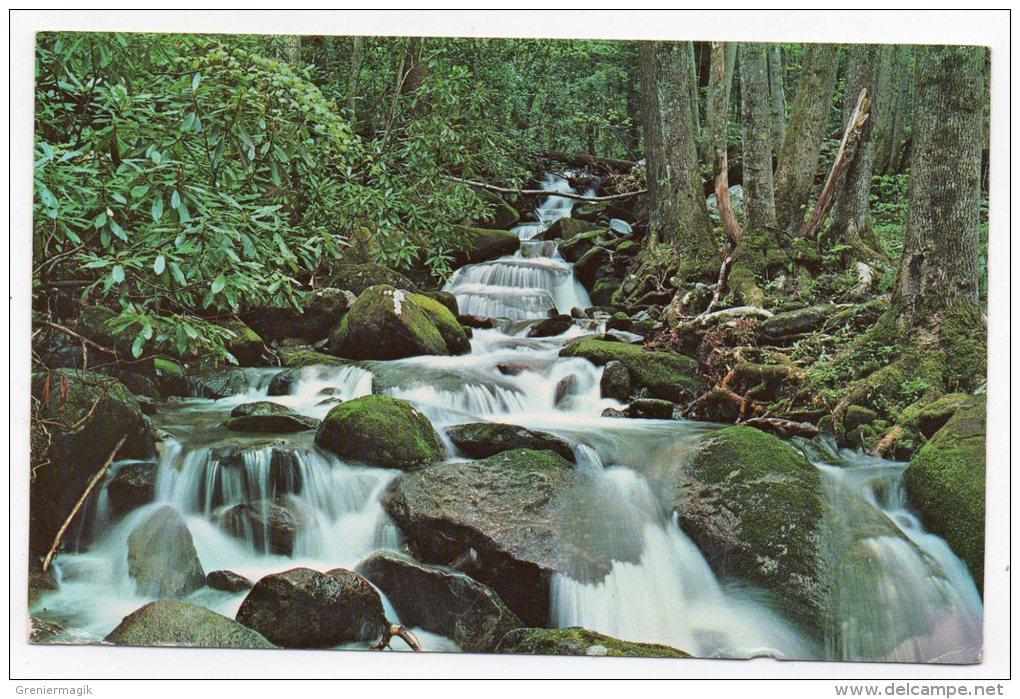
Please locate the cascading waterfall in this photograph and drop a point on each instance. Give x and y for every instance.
(898, 593)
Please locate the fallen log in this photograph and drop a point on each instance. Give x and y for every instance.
(781, 427)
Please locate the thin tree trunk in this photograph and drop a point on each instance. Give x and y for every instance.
(352, 81)
(717, 106)
(678, 213)
(902, 81)
(777, 98)
(756, 118)
(798, 157)
(633, 119)
(292, 49)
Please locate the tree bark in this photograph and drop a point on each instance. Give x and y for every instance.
(717, 107)
(352, 82)
(939, 266)
(756, 117)
(851, 217)
(902, 80)
(777, 98)
(677, 212)
(292, 50)
(798, 157)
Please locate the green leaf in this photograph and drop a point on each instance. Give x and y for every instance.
(218, 284)
(195, 81)
(156, 156)
(117, 230)
(175, 200)
(100, 221)
(119, 197)
(157, 209)
(159, 265)
(136, 346)
(117, 274)
(178, 274)
(139, 191)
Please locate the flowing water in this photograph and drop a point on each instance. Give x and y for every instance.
(900, 594)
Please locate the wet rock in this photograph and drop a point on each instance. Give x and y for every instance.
(283, 382)
(946, 484)
(578, 641)
(381, 430)
(481, 244)
(228, 581)
(509, 508)
(162, 559)
(87, 416)
(753, 505)
(928, 417)
(356, 278)
(478, 440)
(445, 298)
(302, 608)
(666, 375)
(321, 311)
(266, 416)
(567, 228)
(177, 623)
(38, 581)
(246, 345)
(576, 247)
(650, 408)
(615, 381)
(550, 327)
(511, 368)
(473, 321)
(565, 388)
(593, 266)
(219, 383)
(613, 412)
(133, 485)
(386, 323)
(269, 526)
(804, 320)
(456, 339)
(593, 212)
(298, 357)
(441, 600)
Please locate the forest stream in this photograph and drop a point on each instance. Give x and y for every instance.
(612, 546)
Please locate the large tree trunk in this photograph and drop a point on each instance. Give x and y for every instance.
(851, 217)
(677, 212)
(936, 299)
(901, 81)
(777, 98)
(633, 133)
(798, 156)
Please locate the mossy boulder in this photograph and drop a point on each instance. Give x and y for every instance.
(946, 484)
(804, 320)
(321, 310)
(651, 409)
(266, 416)
(567, 228)
(508, 508)
(482, 244)
(358, 277)
(303, 608)
(453, 334)
(579, 641)
(446, 298)
(306, 356)
(176, 623)
(382, 431)
(666, 375)
(218, 383)
(479, 440)
(928, 416)
(754, 506)
(246, 345)
(501, 214)
(86, 415)
(386, 323)
(161, 556)
(615, 382)
(594, 265)
(441, 600)
(575, 248)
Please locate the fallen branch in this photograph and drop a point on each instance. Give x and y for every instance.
(79, 337)
(583, 159)
(844, 156)
(887, 442)
(781, 427)
(544, 192)
(724, 273)
(77, 506)
(392, 630)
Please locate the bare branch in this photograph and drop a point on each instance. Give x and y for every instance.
(544, 192)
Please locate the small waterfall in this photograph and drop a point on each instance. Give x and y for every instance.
(899, 593)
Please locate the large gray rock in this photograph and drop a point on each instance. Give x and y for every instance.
(177, 623)
(302, 608)
(266, 416)
(268, 526)
(162, 558)
(321, 311)
(441, 600)
(510, 509)
(478, 440)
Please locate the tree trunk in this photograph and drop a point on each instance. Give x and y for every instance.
(756, 122)
(292, 50)
(352, 82)
(677, 211)
(717, 106)
(777, 98)
(936, 299)
(851, 217)
(692, 87)
(633, 119)
(902, 80)
(798, 157)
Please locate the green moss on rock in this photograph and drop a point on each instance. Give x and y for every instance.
(358, 277)
(753, 505)
(306, 356)
(385, 323)
(381, 430)
(579, 641)
(946, 485)
(481, 244)
(453, 334)
(667, 376)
